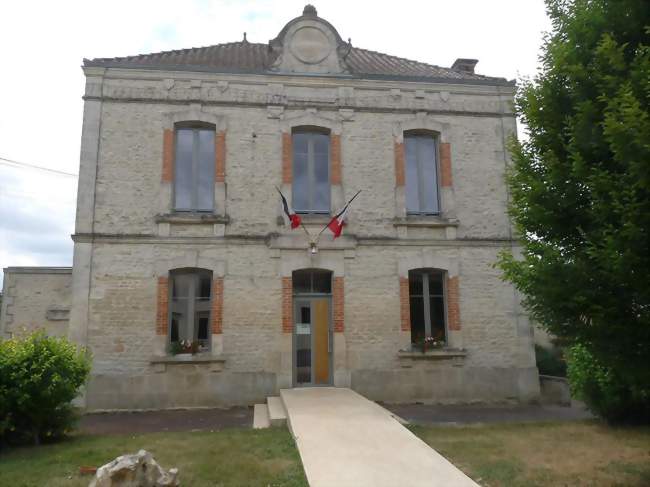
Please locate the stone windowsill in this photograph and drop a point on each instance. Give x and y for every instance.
(314, 218)
(199, 358)
(192, 218)
(424, 221)
(436, 354)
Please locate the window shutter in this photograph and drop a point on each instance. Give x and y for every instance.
(168, 156)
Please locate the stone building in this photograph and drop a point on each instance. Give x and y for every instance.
(180, 235)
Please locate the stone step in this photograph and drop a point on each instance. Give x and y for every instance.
(261, 416)
(277, 413)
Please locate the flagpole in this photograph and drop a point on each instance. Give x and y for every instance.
(301, 223)
(348, 204)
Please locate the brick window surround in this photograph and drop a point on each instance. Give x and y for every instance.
(451, 297)
(162, 306)
(444, 164)
(216, 312)
(220, 157)
(287, 173)
(338, 298)
(335, 159)
(287, 305)
(453, 304)
(168, 156)
(338, 310)
(404, 304)
(399, 164)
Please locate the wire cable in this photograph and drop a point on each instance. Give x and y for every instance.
(10, 162)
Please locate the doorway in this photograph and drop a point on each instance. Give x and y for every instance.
(312, 337)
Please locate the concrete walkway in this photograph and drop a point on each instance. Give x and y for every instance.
(345, 440)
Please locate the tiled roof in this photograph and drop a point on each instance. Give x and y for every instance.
(249, 57)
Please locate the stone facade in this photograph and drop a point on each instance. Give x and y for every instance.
(36, 298)
(128, 238)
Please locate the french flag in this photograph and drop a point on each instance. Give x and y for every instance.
(336, 223)
(293, 217)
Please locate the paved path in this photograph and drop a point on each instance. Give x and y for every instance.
(346, 440)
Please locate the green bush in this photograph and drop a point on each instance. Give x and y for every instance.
(550, 361)
(607, 393)
(39, 377)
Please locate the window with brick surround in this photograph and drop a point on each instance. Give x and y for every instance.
(311, 170)
(427, 304)
(190, 306)
(421, 168)
(194, 167)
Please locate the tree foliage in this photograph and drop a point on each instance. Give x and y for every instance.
(580, 184)
(604, 390)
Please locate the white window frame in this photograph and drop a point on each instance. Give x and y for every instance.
(194, 192)
(192, 299)
(423, 273)
(311, 171)
(420, 175)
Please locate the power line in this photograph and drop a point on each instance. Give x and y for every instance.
(10, 162)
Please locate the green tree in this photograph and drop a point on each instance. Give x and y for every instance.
(580, 184)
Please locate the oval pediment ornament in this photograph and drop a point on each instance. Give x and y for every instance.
(310, 45)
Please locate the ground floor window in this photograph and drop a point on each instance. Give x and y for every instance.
(427, 305)
(189, 321)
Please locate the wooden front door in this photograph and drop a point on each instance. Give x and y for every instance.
(312, 341)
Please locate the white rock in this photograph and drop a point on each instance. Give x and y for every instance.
(138, 470)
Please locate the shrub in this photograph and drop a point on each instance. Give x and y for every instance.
(39, 377)
(550, 361)
(606, 392)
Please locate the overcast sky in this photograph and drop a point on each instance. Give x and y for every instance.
(42, 45)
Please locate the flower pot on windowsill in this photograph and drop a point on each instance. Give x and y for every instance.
(184, 348)
(428, 344)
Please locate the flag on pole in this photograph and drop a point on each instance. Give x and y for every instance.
(293, 217)
(336, 223)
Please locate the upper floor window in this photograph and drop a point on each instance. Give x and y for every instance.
(194, 169)
(427, 304)
(421, 174)
(311, 172)
(191, 295)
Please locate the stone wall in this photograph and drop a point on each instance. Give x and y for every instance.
(36, 298)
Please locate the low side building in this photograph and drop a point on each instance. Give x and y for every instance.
(36, 298)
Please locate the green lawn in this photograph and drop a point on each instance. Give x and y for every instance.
(512, 455)
(231, 457)
(545, 454)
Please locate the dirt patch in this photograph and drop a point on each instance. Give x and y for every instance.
(160, 421)
(468, 414)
